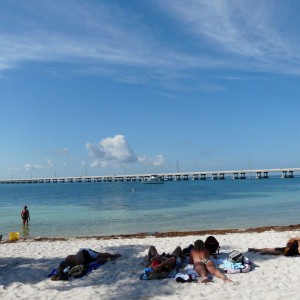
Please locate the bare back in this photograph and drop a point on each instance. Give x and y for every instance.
(198, 255)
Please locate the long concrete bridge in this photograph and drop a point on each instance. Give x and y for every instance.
(213, 175)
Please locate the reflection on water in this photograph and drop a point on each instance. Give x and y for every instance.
(25, 231)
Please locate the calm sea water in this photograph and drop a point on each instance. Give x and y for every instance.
(88, 209)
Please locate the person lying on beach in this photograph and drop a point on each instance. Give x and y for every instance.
(292, 248)
(162, 264)
(199, 256)
(83, 257)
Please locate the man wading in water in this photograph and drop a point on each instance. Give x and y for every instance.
(25, 215)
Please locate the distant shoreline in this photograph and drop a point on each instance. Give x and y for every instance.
(143, 235)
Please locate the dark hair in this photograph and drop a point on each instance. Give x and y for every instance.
(198, 245)
(60, 270)
(291, 248)
(25, 207)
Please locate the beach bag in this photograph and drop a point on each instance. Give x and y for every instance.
(186, 251)
(61, 272)
(236, 256)
(78, 271)
(212, 245)
(291, 248)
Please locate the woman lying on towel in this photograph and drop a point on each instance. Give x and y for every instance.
(292, 248)
(83, 257)
(199, 256)
(162, 264)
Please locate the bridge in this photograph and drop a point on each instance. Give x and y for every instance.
(202, 175)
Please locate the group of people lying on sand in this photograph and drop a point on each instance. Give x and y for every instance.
(162, 264)
(199, 257)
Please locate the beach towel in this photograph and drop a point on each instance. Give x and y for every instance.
(148, 274)
(188, 274)
(235, 267)
(78, 271)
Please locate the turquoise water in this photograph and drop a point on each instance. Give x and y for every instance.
(88, 209)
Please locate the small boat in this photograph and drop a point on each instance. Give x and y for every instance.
(153, 179)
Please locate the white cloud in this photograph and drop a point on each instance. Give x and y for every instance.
(30, 167)
(95, 34)
(106, 38)
(37, 167)
(156, 161)
(116, 150)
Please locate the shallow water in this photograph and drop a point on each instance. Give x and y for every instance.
(87, 209)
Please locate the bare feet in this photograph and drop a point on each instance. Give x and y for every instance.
(204, 280)
(226, 279)
(113, 257)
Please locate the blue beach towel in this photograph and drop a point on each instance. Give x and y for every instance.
(146, 273)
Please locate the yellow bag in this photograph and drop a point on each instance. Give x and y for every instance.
(13, 236)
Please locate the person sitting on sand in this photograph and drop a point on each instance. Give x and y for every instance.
(199, 256)
(292, 248)
(83, 257)
(162, 264)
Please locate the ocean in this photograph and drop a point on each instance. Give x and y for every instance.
(98, 209)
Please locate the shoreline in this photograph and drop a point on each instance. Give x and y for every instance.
(168, 234)
(25, 265)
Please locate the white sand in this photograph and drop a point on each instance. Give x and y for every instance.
(24, 266)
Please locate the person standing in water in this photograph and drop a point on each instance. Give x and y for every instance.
(25, 215)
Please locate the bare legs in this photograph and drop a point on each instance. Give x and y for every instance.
(200, 268)
(25, 222)
(151, 253)
(104, 257)
(78, 258)
(209, 267)
(178, 252)
(167, 262)
(264, 251)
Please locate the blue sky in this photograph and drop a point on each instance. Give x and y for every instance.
(129, 86)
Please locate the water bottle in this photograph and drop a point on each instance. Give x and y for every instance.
(148, 270)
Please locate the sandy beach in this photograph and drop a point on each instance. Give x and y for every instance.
(25, 264)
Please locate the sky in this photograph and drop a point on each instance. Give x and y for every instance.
(96, 87)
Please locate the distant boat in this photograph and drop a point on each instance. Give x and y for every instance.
(153, 179)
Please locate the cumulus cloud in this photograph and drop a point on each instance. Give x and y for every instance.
(116, 150)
